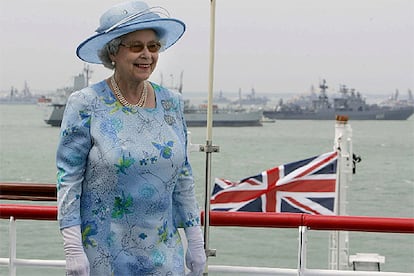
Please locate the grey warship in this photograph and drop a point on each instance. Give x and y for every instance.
(349, 103)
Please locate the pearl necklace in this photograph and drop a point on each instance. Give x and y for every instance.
(123, 101)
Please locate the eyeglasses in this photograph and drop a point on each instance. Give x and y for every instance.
(137, 47)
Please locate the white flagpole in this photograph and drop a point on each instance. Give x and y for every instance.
(211, 71)
(209, 148)
(339, 242)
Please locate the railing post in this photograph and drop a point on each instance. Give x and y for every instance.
(12, 246)
(302, 250)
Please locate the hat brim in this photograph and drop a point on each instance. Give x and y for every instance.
(168, 29)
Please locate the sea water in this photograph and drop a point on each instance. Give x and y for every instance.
(383, 185)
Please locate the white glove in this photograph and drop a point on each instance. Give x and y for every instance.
(77, 263)
(195, 258)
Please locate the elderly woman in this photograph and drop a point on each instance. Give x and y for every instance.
(124, 181)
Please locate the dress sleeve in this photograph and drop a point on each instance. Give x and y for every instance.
(72, 153)
(186, 209)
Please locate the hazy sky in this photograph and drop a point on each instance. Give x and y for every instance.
(272, 45)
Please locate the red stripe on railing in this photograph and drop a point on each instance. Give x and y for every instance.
(360, 223)
(28, 211)
(316, 222)
(253, 219)
(250, 219)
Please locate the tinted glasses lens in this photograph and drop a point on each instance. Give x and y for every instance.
(153, 47)
(136, 47)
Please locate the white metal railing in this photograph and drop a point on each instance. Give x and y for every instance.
(13, 262)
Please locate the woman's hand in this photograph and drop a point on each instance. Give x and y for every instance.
(77, 263)
(195, 257)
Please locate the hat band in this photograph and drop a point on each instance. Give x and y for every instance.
(149, 11)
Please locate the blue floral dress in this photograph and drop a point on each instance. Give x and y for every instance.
(123, 175)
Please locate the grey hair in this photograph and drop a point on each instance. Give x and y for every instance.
(110, 48)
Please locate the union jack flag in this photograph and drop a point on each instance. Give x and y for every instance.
(305, 186)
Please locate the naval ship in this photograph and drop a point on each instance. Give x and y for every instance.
(349, 103)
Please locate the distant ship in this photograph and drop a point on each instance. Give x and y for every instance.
(222, 116)
(195, 116)
(349, 103)
(395, 102)
(251, 99)
(56, 107)
(19, 97)
(221, 99)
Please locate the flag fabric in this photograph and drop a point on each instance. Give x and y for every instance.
(305, 186)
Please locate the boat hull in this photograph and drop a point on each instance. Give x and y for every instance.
(196, 119)
(56, 115)
(380, 114)
(225, 119)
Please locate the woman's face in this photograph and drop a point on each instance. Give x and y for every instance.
(138, 55)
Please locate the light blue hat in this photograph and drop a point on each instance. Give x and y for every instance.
(129, 17)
